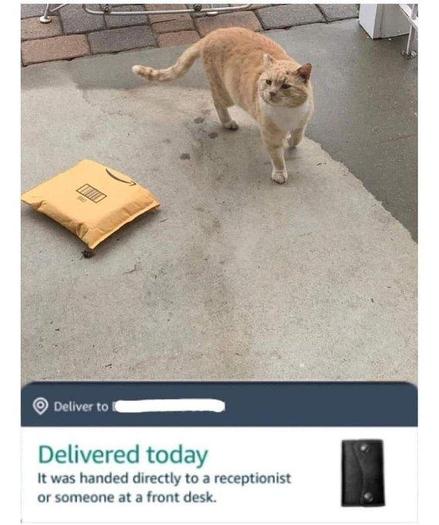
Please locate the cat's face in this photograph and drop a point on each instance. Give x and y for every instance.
(282, 85)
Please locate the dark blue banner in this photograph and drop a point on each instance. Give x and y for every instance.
(246, 404)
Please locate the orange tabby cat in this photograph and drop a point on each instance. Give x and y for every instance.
(253, 72)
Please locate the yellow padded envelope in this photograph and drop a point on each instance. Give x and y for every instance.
(91, 200)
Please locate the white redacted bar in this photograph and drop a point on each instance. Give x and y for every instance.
(168, 405)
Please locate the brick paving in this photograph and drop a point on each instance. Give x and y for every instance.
(75, 20)
(74, 33)
(283, 16)
(55, 48)
(178, 39)
(179, 23)
(246, 19)
(121, 39)
(32, 28)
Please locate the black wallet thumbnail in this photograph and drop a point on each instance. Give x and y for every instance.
(362, 473)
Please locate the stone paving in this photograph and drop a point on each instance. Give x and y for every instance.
(74, 33)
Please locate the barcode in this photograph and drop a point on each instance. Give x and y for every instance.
(91, 193)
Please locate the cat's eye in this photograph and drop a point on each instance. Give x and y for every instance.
(268, 82)
(285, 86)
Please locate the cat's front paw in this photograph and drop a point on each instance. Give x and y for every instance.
(280, 176)
(232, 125)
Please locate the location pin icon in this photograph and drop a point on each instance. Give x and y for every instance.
(40, 405)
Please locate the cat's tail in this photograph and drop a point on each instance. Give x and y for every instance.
(182, 65)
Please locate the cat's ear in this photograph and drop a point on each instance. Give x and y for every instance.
(268, 60)
(304, 71)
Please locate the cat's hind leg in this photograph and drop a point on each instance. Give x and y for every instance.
(224, 116)
(221, 99)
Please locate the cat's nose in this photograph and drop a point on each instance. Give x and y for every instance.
(272, 93)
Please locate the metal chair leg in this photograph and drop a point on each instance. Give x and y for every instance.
(45, 18)
(409, 52)
(412, 16)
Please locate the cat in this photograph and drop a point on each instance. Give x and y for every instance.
(251, 71)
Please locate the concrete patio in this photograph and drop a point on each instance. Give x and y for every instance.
(235, 277)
